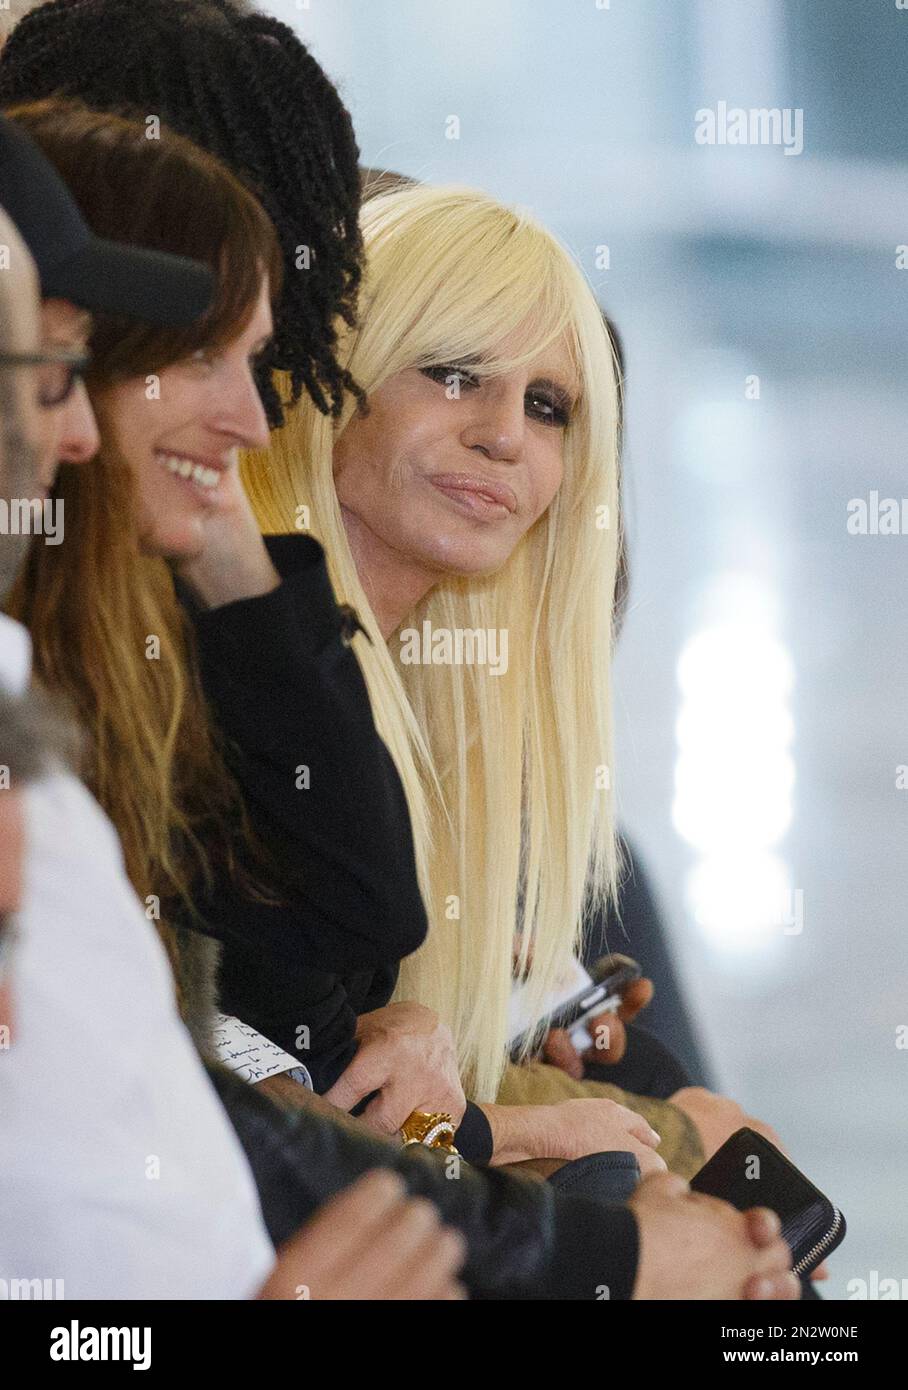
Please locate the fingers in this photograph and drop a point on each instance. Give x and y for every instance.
(359, 1080)
(773, 1260)
(610, 1039)
(642, 1130)
(429, 1267)
(664, 1185)
(405, 1076)
(785, 1287)
(763, 1226)
(313, 1256)
(559, 1051)
(351, 1215)
(649, 1161)
(390, 1108)
(399, 1098)
(767, 1132)
(406, 1256)
(375, 1242)
(636, 997)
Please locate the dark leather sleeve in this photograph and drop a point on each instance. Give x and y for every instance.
(524, 1240)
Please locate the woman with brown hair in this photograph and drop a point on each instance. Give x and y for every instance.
(101, 612)
(168, 499)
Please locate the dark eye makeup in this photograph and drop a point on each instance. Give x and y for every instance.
(554, 404)
(545, 400)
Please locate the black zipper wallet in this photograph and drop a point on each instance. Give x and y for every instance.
(748, 1172)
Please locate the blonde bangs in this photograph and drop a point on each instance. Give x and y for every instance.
(446, 281)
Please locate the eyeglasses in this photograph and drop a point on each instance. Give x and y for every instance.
(60, 370)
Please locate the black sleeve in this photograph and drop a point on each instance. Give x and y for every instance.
(474, 1136)
(595, 1251)
(320, 787)
(305, 1011)
(524, 1239)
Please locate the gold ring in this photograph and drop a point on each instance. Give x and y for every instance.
(433, 1130)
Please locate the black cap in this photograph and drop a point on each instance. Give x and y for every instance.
(108, 277)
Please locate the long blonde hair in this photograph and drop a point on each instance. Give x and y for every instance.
(507, 779)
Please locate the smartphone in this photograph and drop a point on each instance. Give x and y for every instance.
(590, 993)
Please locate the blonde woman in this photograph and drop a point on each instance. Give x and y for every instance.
(491, 439)
(470, 517)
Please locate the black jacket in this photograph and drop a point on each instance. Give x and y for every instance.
(525, 1240)
(324, 796)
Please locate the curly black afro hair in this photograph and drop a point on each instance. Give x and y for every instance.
(245, 88)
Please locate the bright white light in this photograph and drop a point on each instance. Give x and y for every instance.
(735, 774)
(770, 726)
(743, 903)
(728, 802)
(743, 659)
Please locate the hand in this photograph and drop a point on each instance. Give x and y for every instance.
(370, 1242)
(230, 561)
(407, 1054)
(717, 1118)
(575, 1128)
(696, 1247)
(607, 1030)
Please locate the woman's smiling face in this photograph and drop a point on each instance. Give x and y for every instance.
(181, 441)
(448, 471)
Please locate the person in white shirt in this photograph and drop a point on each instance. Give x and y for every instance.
(101, 1074)
(120, 1175)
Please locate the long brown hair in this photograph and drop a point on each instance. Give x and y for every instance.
(108, 632)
